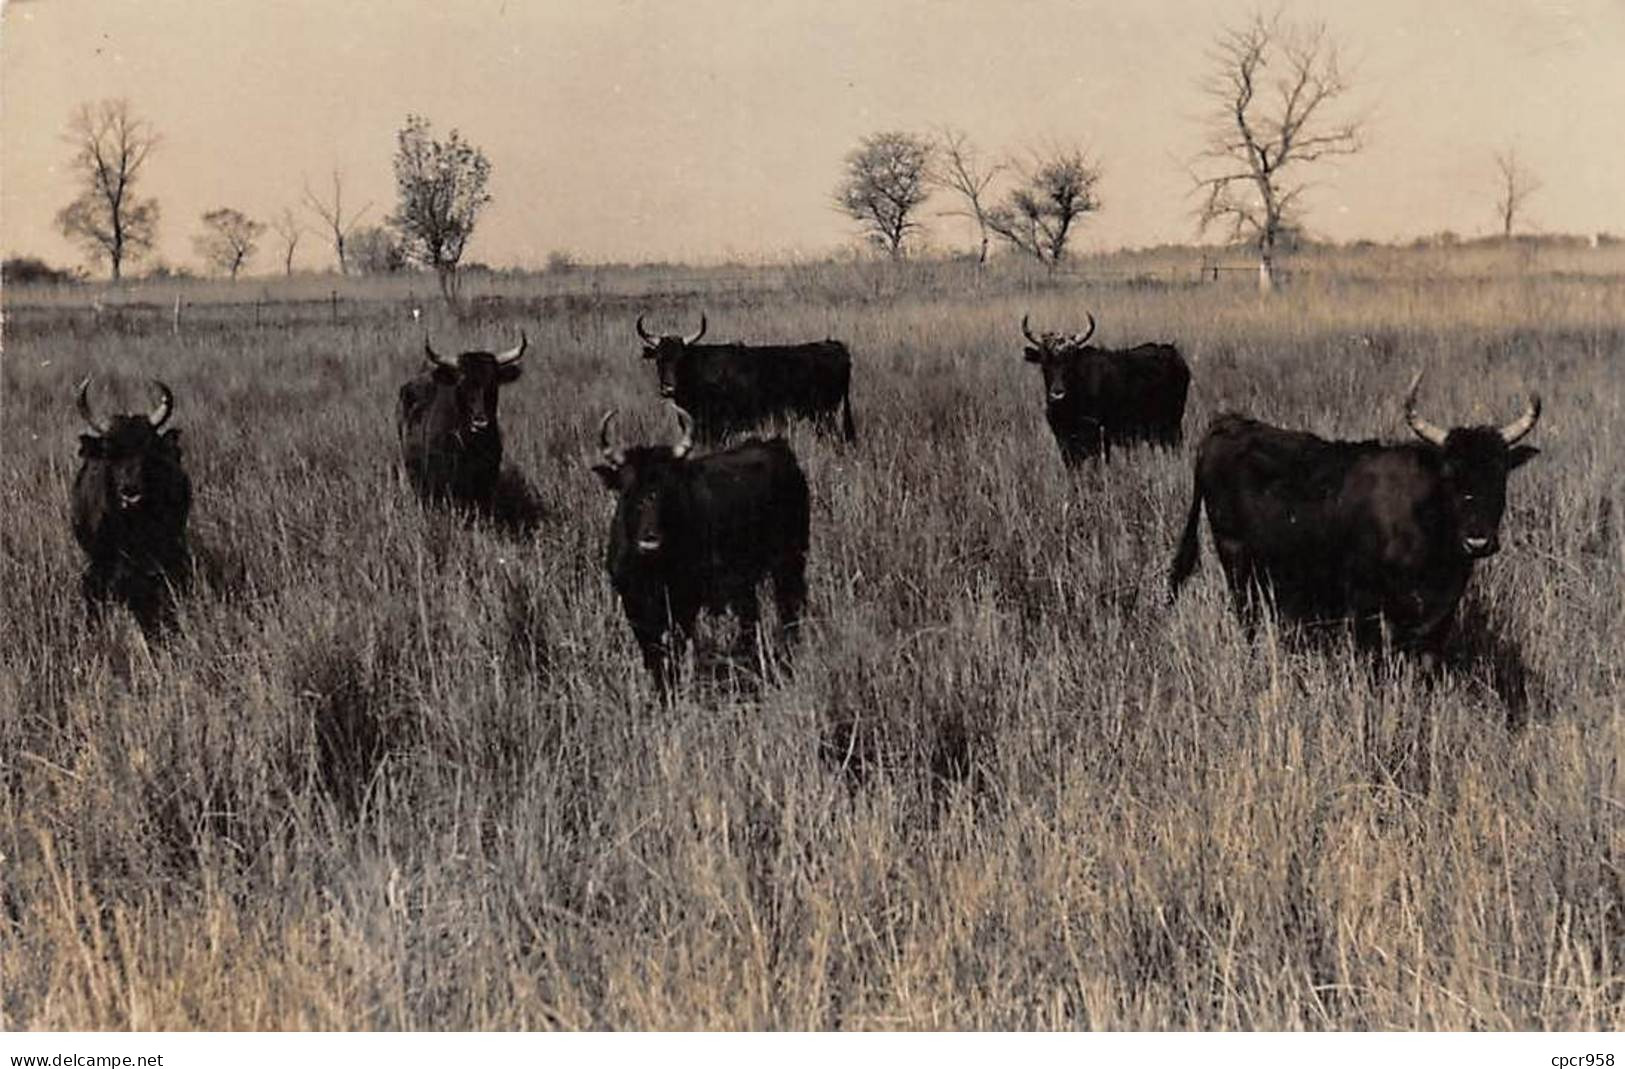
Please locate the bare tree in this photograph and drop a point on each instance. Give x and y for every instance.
(331, 213)
(1057, 189)
(289, 231)
(885, 184)
(229, 240)
(1271, 88)
(441, 189)
(960, 169)
(1516, 185)
(107, 219)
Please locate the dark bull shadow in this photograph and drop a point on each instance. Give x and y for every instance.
(514, 511)
(725, 656)
(1477, 650)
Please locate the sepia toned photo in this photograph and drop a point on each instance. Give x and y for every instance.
(912, 515)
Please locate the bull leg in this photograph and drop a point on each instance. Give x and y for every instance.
(1244, 582)
(656, 656)
(96, 587)
(790, 594)
(748, 611)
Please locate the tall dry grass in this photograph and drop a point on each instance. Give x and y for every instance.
(394, 773)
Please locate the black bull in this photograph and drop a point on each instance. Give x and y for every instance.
(701, 533)
(728, 388)
(1096, 398)
(1382, 534)
(131, 498)
(451, 443)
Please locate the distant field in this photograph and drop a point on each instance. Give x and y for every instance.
(396, 774)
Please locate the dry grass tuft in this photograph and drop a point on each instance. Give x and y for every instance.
(398, 771)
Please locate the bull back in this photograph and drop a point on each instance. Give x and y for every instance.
(734, 387)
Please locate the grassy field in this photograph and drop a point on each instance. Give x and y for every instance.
(393, 773)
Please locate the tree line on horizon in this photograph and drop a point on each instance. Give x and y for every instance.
(1274, 90)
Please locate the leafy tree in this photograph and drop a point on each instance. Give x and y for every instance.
(1057, 189)
(31, 270)
(441, 189)
(885, 183)
(107, 219)
(229, 240)
(377, 250)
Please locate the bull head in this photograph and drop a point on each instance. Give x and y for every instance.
(615, 457)
(157, 417)
(503, 359)
(651, 342)
(1056, 340)
(1434, 434)
(1474, 464)
(128, 452)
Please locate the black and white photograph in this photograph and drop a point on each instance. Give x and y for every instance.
(908, 516)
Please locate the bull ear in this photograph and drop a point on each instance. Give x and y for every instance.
(1033, 356)
(508, 372)
(91, 445)
(1518, 456)
(173, 437)
(609, 475)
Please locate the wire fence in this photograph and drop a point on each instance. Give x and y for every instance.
(209, 308)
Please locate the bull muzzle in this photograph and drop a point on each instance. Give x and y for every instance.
(1479, 546)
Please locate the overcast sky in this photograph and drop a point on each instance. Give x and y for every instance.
(703, 129)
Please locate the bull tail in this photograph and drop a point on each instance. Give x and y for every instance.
(1190, 545)
(848, 430)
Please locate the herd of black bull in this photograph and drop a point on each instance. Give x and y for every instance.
(1383, 535)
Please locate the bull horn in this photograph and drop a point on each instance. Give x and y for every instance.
(1431, 433)
(164, 408)
(434, 357)
(508, 356)
(1525, 423)
(84, 408)
(614, 457)
(686, 443)
(1029, 333)
(648, 339)
(1090, 333)
(700, 334)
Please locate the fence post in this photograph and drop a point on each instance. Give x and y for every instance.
(175, 318)
(256, 313)
(334, 296)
